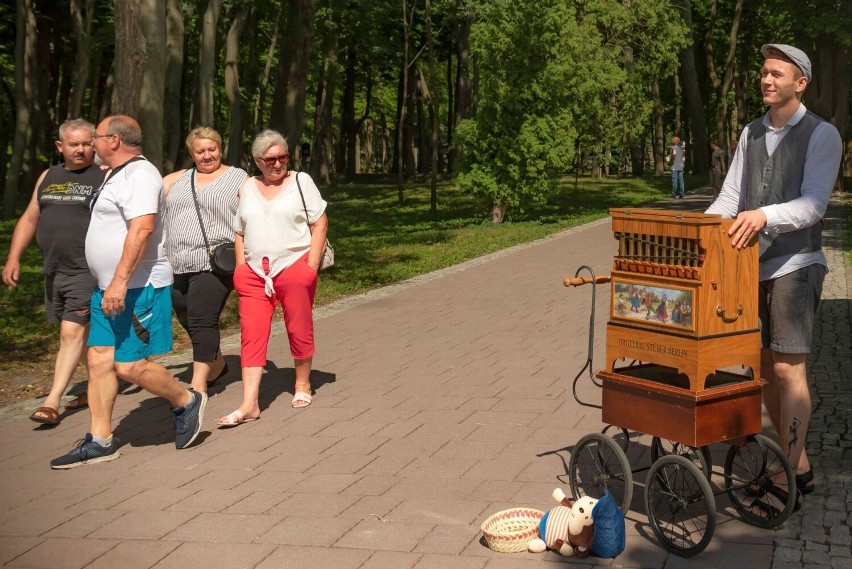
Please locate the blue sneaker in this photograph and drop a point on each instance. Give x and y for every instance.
(188, 419)
(87, 451)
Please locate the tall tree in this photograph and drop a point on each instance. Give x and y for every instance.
(694, 101)
(207, 62)
(173, 80)
(152, 90)
(26, 95)
(238, 16)
(130, 55)
(433, 111)
(522, 135)
(323, 143)
(296, 92)
(724, 83)
(82, 14)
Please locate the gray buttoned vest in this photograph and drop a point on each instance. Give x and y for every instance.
(777, 179)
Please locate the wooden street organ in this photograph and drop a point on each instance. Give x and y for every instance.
(683, 308)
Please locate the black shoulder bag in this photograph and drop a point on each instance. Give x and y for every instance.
(223, 257)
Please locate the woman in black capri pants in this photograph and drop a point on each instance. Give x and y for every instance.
(198, 294)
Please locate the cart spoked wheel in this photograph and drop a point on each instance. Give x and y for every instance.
(699, 455)
(749, 471)
(680, 505)
(598, 464)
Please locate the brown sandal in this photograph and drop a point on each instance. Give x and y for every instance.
(50, 416)
(79, 402)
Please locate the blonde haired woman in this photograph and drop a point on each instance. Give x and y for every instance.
(199, 294)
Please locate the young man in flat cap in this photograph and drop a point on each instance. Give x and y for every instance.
(777, 187)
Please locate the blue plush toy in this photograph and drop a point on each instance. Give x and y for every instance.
(610, 534)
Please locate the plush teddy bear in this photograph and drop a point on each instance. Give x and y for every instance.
(567, 528)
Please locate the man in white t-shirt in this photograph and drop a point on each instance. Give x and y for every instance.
(131, 306)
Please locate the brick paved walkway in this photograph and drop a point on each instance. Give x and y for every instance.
(438, 402)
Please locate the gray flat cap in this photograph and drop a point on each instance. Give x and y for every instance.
(794, 54)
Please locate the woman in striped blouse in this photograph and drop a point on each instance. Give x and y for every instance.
(198, 294)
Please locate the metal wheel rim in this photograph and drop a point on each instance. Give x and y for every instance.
(598, 463)
(680, 505)
(747, 471)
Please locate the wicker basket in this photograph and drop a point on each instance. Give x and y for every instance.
(511, 531)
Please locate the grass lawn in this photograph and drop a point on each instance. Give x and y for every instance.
(377, 242)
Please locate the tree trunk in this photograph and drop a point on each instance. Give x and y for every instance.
(207, 62)
(82, 12)
(464, 98)
(678, 105)
(239, 16)
(828, 95)
(172, 119)
(401, 103)
(323, 147)
(450, 102)
(152, 89)
(294, 108)
(433, 111)
(260, 99)
(346, 143)
(130, 54)
(634, 145)
(694, 102)
(659, 130)
(289, 12)
(724, 84)
(498, 212)
(19, 176)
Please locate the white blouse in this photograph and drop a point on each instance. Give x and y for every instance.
(277, 228)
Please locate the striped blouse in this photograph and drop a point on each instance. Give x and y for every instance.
(218, 201)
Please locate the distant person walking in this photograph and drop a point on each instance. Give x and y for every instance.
(676, 158)
(131, 306)
(718, 166)
(778, 188)
(58, 216)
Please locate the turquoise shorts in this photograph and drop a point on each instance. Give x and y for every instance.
(143, 329)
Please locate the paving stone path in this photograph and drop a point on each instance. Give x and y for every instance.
(438, 402)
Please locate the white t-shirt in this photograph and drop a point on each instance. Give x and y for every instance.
(277, 229)
(136, 190)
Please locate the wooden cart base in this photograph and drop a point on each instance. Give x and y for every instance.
(639, 398)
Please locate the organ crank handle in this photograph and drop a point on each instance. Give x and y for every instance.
(579, 281)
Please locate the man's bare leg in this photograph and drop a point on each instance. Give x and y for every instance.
(103, 389)
(72, 343)
(788, 403)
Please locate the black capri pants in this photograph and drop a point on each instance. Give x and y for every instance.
(198, 300)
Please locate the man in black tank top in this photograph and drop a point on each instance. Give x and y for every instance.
(58, 216)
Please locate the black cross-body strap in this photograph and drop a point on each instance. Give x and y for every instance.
(304, 205)
(198, 211)
(112, 173)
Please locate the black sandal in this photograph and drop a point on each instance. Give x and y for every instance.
(804, 482)
(780, 495)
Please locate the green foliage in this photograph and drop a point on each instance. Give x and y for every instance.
(557, 77)
(522, 136)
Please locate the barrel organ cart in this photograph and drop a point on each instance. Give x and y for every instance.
(683, 366)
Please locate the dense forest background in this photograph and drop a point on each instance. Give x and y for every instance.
(503, 95)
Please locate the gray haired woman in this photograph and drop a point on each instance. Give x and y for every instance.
(281, 228)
